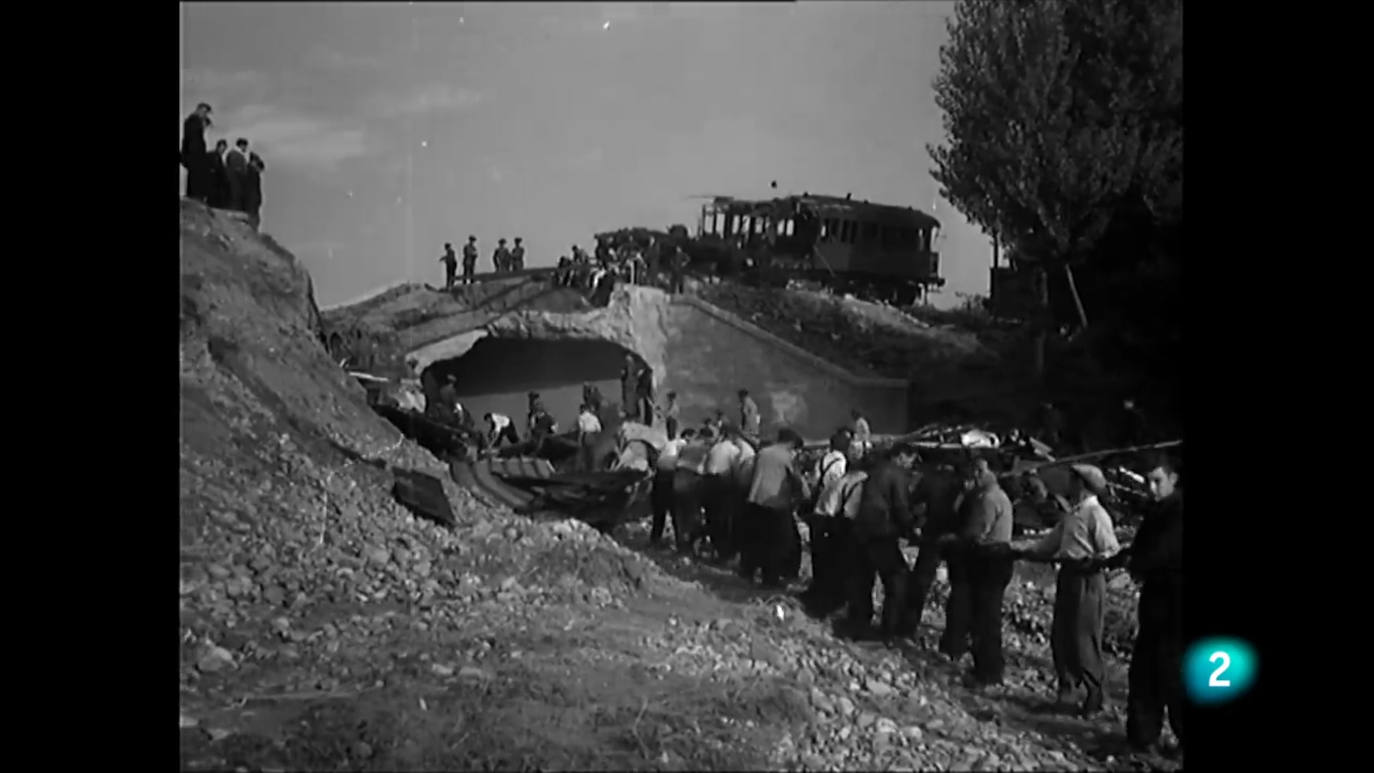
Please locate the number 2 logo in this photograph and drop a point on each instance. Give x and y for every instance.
(1215, 680)
(1219, 670)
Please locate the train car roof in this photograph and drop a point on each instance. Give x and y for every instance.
(834, 204)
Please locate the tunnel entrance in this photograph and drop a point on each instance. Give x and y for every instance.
(496, 375)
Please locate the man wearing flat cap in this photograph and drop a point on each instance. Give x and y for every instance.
(1082, 539)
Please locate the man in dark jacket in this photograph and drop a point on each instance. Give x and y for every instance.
(470, 260)
(194, 155)
(935, 496)
(884, 518)
(1155, 559)
(218, 195)
(500, 259)
(644, 394)
(517, 256)
(983, 543)
(450, 261)
(253, 192)
(236, 165)
(629, 388)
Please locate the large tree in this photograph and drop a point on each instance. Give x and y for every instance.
(1064, 140)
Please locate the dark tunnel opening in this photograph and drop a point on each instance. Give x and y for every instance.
(497, 374)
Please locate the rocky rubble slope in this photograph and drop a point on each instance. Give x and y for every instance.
(323, 626)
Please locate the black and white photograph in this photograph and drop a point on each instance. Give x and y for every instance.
(685, 386)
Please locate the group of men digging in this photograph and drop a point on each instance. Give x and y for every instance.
(860, 505)
(225, 178)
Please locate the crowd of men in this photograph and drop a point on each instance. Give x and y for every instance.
(226, 177)
(727, 494)
(607, 265)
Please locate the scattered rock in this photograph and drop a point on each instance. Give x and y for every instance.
(214, 659)
(878, 688)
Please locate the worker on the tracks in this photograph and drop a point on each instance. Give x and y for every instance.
(750, 422)
(863, 434)
(719, 492)
(588, 432)
(661, 498)
(499, 428)
(500, 258)
(629, 388)
(884, 517)
(1155, 560)
(983, 544)
(470, 260)
(450, 261)
(591, 395)
(766, 527)
(935, 498)
(831, 553)
(1081, 541)
(688, 524)
(671, 414)
(517, 255)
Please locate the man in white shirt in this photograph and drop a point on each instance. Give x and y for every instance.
(720, 491)
(836, 507)
(588, 432)
(835, 463)
(661, 499)
(1080, 541)
(500, 427)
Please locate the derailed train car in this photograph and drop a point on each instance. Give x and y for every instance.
(874, 250)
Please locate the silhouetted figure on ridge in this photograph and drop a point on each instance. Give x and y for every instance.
(218, 194)
(236, 165)
(193, 153)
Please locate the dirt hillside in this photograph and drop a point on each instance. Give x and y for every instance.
(325, 627)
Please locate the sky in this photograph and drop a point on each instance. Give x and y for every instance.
(390, 129)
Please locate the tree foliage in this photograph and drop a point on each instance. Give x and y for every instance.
(1062, 117)
(1064, 138)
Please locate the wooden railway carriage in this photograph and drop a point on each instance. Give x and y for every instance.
(873, 249)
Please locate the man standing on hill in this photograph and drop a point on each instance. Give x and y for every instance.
(450, 261)
(236, 165)
(470, 260)
(517, 256)
(218, 195)
(501, 257)
(253, 191)
(194, 154)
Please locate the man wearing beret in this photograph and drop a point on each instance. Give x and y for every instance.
(1080, 542)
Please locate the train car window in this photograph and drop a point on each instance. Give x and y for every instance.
(872, 231)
